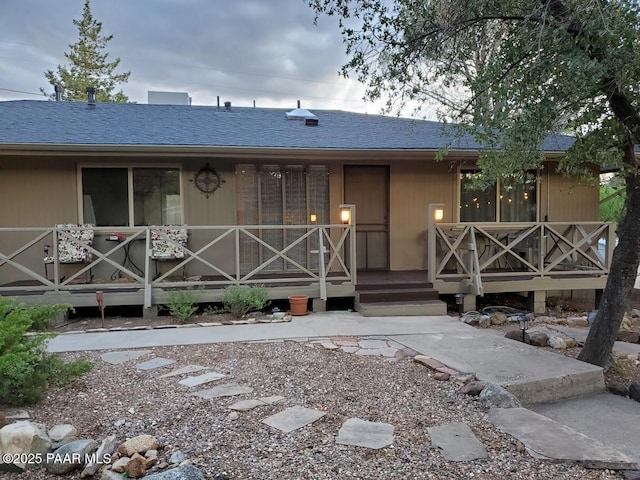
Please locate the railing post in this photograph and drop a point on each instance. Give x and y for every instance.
(436, 212)
(351, 221)
(147, 270)
(323, 274)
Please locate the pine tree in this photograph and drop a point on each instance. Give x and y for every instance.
(88, 65)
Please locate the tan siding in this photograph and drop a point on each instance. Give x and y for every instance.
(413, 187)
(37, 192)
(566, 200)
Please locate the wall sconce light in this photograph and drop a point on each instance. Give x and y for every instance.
(438, 214)
(345, 216)
(313, 218)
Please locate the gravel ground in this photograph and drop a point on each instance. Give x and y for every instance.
(344, 385)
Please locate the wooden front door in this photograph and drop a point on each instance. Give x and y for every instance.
(367, 187)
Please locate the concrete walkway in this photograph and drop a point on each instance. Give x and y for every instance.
(532, 374)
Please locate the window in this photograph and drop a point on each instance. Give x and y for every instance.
(131, 196)
(281, 195)
(510, 200)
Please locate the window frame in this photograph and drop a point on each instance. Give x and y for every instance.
(496, 200)
(129, 167)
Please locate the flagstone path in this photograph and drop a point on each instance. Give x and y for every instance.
(354, 431)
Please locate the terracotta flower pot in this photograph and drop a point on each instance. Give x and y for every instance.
(298, 304)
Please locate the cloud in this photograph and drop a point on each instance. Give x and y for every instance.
(267, 51)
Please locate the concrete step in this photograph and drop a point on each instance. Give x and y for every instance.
(409, 308)
(396, 295)
(388, 285)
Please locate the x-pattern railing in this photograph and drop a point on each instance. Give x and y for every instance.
(478, 252)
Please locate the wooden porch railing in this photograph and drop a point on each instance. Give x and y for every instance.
(479, 252)
(213, 255)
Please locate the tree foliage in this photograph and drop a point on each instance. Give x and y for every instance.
(88, 65)
(510, 72)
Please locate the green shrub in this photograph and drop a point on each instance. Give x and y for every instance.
(241, 299)
(182, 304)
(26, 369)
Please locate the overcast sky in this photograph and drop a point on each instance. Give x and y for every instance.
(241, 50)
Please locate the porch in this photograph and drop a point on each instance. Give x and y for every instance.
(464, 259)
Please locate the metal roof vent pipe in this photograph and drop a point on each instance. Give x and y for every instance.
(91, 97)
(58, 90)
(227, 106)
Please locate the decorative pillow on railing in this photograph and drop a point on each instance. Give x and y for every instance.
(71, 243)
(166, 243)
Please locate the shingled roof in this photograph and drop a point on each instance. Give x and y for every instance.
(106, 124)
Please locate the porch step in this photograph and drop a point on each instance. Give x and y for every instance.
(393, 285)
(411, 308)
(396, 293)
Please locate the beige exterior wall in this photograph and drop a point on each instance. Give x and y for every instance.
(564, 199)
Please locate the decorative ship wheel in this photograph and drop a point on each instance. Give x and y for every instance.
(207, 180)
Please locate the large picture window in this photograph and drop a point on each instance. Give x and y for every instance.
(131, 196)
(281, 195)
(509, 200)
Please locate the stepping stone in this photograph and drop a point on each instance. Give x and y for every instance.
(246, 405)
(330, 346)
(201, 379)
(226, 390)
(116, 358)
(154, 363)
(457, 442)
(385, 351)
(373, 344)
(361, 433)
(183, 371)
(293, 418)
(350, 349)
(550, 440)
(272, 399)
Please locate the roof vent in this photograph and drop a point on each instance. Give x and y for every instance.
(300, 114)
(311, 122)
(227, 106)
(91, 97)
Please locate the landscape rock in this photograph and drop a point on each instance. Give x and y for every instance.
(120, 465)
(463, 378)
(473, 388)
(137, 466)
(110, 475)
(183, 472)
(557, 343)
(63, 433)
(628, 336)
(139, 444)
(176, 457)
(635, 313)
(470, 319)
(537, 338)
(484, 321)
(432, 363)
(493, 395)
(499, 318)
(23, 437)
(514, 334)
(619, 389)
(71, 456)
(634, 391)
(442, 376)
(103, 456)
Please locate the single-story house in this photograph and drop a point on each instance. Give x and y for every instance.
(136, 200)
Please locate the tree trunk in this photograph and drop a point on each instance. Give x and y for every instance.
(619, 287)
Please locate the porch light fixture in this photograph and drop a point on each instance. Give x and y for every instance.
(345, 216)
(438, 214)
(524, 324)
(313, 218)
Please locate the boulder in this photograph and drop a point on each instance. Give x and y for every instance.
(628, 336)
(177, 457)
(619, 389)
(473, 388)
(537, 339)
(23, 437)
(557, 343)
(110, 475)
(484, 321)
(499, 318)
(514, 334)
(102, 456)
(635, 313)
(70, 456)
(494, 395)
(634, 391)
(63, 433)
(183, 472)
(139, 444)
(463, 377)
(120, 465)
(137, 466)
